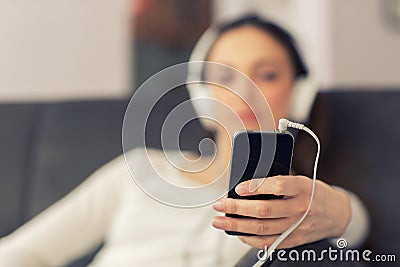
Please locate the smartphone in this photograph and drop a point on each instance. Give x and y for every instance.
(258, 154)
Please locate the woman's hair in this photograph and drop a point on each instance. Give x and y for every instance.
(280, 34)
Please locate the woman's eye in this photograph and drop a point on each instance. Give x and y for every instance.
(225, 78)
(268, 76)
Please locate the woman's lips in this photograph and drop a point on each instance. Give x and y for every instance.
(247, 117)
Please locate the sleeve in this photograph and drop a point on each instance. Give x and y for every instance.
(358, 228)
(72, 226)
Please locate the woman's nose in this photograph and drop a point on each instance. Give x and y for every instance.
(245, 89)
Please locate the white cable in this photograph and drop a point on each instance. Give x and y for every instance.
(283, 125)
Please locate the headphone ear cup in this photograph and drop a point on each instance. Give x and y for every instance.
(302, 99)
(197, 91)
(199, 96)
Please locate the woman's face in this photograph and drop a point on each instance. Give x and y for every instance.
(264, 60)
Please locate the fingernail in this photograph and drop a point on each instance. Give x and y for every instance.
(219, 206)
(218, 223)
(241, 189)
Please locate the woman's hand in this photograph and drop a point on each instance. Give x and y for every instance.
(328, 217)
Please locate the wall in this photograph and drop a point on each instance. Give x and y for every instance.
(348, 43)
(57, 50)
(366, 50)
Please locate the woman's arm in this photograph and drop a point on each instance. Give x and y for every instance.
(358, 228)
(72, 226)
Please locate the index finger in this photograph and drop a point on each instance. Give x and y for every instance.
(277, 185)
(263, 209)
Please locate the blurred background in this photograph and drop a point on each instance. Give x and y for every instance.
(68, 68)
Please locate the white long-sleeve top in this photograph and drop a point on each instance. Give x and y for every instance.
(136, 229)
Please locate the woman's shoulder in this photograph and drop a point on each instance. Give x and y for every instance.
(150, 164)
(142, 158)
(135, 158)
(153, 158)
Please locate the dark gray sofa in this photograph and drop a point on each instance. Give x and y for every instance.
(48, 149)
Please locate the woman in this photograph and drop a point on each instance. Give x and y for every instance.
(139, 231)
(270, 58)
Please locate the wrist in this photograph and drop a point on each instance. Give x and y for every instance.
(344, 213)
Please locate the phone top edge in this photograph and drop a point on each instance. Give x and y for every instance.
(240, 132)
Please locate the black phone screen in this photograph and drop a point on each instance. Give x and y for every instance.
(254, 167)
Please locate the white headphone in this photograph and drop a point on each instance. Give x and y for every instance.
(301, 100)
